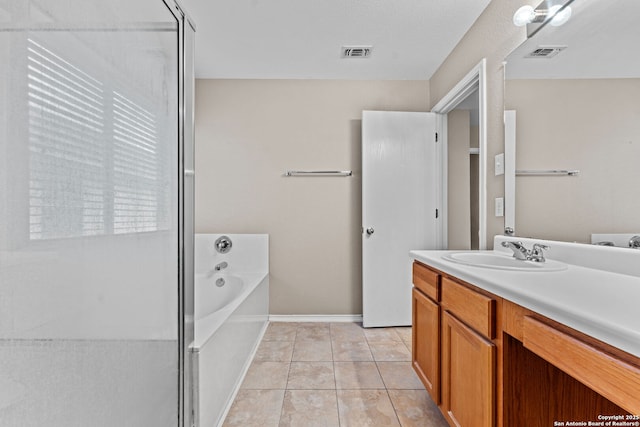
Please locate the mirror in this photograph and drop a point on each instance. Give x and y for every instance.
(575, 90)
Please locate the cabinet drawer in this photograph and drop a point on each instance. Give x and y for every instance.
(473, 308)
(427, 281)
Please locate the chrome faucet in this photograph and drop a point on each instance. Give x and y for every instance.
(519, 251)
(634, 242)
(220, 266)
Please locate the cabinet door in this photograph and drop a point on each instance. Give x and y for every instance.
(426, 343)
(468, 373)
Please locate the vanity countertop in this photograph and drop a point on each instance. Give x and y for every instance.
(599, 302)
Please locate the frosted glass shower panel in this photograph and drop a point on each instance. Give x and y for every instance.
(88, 213)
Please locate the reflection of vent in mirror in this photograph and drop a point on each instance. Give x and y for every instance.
(546, 51)
(356, 51)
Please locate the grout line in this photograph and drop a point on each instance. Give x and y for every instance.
(381, 377)
(333, 361)
(335, 380)
(395, 411)
(286, 384)
(284, 396)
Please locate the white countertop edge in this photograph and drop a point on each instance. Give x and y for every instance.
(621, 336)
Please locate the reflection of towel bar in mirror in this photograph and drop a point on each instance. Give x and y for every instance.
(530, 172)
(318, 173)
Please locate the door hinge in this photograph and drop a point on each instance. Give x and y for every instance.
(436, 213)
(436, 136)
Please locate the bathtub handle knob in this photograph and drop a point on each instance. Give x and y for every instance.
(223, 244)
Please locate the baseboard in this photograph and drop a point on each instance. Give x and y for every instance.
(315, 318)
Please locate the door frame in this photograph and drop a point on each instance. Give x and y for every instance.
(476, 78)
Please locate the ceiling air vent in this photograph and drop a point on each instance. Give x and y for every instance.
(546, 51)
(356, 51)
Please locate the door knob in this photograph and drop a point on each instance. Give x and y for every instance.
(370, 231)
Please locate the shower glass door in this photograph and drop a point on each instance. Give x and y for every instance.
(89, 213)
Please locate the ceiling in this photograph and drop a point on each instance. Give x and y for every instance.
(601, 40)
(302, 39)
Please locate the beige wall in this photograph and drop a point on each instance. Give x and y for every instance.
(493, 36)
(458, 180)
(475, 196)
(248, 132)
(589, 125)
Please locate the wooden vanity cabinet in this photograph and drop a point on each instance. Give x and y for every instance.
(583, 378)
(425, 349)
(489, 362)
(453, 353)
(468, 356)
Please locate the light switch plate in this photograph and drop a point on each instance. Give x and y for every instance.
(499, 206)
(499, 164)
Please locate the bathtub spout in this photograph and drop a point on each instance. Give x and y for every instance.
(221, 266)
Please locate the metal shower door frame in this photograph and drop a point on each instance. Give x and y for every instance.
(185, 216)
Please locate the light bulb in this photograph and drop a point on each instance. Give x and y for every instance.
(523, 16)
(561, 17)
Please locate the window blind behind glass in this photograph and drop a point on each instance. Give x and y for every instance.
(95, 167)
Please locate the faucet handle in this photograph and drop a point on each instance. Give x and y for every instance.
(537, 253)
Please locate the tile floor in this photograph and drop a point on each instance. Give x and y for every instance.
(333, 374)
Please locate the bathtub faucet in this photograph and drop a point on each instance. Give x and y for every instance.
(221, 266)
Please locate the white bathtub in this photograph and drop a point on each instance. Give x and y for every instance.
(213, 298)
(230, 319)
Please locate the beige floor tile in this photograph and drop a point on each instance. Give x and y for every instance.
(255, 408)
(266, 375)
(357, 375)
(309, 408)
(347, 332)
(311, 376)
(358, 408)
(382, 335)
(399, 375)
(351, 351)
(408, 344)
(416, 409)
(274, 351)
(312, 332)
(312, 351)
(280, 331)
(405, 333)
(314, 324)
(390, 352)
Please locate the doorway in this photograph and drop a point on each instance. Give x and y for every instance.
(462, 131)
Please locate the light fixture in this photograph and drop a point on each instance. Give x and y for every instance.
(560, 16)
(528, 15)
(523, 16)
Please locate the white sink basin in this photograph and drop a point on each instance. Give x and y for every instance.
(501, 261)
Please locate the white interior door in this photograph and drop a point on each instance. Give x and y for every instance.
(398, 209)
